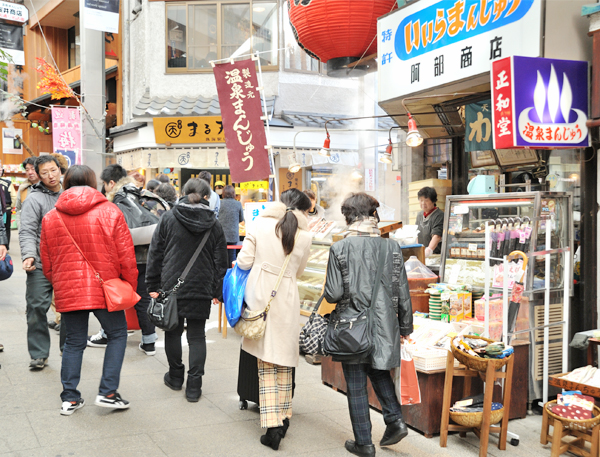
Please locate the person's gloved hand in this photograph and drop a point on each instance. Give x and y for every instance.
(428, 251)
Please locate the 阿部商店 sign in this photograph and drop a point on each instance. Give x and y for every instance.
(430, 43)
(539, 103)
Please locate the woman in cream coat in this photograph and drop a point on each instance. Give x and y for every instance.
(281, 229)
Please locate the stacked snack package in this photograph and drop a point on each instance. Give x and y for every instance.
(573, 405)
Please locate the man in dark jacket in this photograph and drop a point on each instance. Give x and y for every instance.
(124, 192)
(41, 199)
(351, 275)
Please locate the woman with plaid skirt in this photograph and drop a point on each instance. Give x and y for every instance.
(279, 231)
(351, 275)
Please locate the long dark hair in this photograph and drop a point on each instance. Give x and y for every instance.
(79, 175)
(196, 190)
(287, 226)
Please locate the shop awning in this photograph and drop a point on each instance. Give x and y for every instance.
(126, 129)
(298, 119)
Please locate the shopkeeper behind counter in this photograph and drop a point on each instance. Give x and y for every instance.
(430, 221)
(315, 210)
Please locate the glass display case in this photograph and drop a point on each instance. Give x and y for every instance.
(310, 284)
(519, 221)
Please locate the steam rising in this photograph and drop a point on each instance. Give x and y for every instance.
(337, 188)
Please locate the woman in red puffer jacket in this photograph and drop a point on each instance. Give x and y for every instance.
(99, 229)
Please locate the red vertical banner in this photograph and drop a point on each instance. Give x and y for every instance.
(241, 110)
(503, 118)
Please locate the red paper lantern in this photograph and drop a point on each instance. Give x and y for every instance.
(338, 31)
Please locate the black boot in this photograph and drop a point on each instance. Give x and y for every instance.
(174, 378)
(363, 450)
(193, 389)
(394, 433)
(286, 425)
(272, 438)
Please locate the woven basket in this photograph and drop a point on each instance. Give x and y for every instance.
(477, 363)
(581, 426)
(476, 419)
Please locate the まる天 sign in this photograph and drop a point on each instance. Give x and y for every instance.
(539, 103)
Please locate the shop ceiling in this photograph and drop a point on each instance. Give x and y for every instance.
(443, 112)
(62, 14)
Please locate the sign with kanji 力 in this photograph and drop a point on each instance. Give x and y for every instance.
(200, 129)
(66, 133)
(241, 110)
(431, 43)
(539, 103)
(478, 122)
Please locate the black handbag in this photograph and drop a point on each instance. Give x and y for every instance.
(350, 336)
(313, 332)
(162, 311)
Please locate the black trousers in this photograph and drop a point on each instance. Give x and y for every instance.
(358, 401)
(231, 254)
(7, 226)
(197, 344)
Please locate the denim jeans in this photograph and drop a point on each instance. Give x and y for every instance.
(115, 326)
(197, 346)
(148, 330)
(39, 297)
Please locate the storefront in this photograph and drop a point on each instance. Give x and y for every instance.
(437, 65)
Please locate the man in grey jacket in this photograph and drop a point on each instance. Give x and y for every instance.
(41, 199)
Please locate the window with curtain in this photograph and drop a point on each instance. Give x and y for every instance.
(198, 32)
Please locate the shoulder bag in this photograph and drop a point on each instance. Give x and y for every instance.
(162, 311)
(252, 324)
(118, 294)
(350, 336)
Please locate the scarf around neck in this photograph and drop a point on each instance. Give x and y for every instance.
(364, 227)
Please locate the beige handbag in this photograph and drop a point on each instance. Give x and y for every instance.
(252, 324)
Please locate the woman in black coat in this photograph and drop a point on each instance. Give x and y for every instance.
(174, 242)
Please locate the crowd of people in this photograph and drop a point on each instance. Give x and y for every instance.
(74, 238)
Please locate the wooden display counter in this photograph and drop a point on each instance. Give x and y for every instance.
(426, 417)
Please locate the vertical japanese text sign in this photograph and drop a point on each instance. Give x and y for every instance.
(243, 127)
(66, 133)
(539, 103)
(478, 120)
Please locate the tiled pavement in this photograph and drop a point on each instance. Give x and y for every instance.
(161, 422)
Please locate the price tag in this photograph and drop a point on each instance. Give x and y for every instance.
(461, 209)
(473, 247)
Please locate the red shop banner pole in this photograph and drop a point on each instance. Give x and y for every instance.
(245, 137)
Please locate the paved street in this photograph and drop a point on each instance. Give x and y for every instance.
(161, 422)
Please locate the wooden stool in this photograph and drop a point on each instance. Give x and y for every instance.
(223, 319)
(483, 431)
(561, 430)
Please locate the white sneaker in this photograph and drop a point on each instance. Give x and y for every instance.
(97, 341)
(113, 401)
(69, 407)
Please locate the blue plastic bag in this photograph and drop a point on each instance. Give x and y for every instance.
(234, 286)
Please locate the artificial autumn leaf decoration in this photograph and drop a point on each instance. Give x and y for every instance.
(51, 82)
